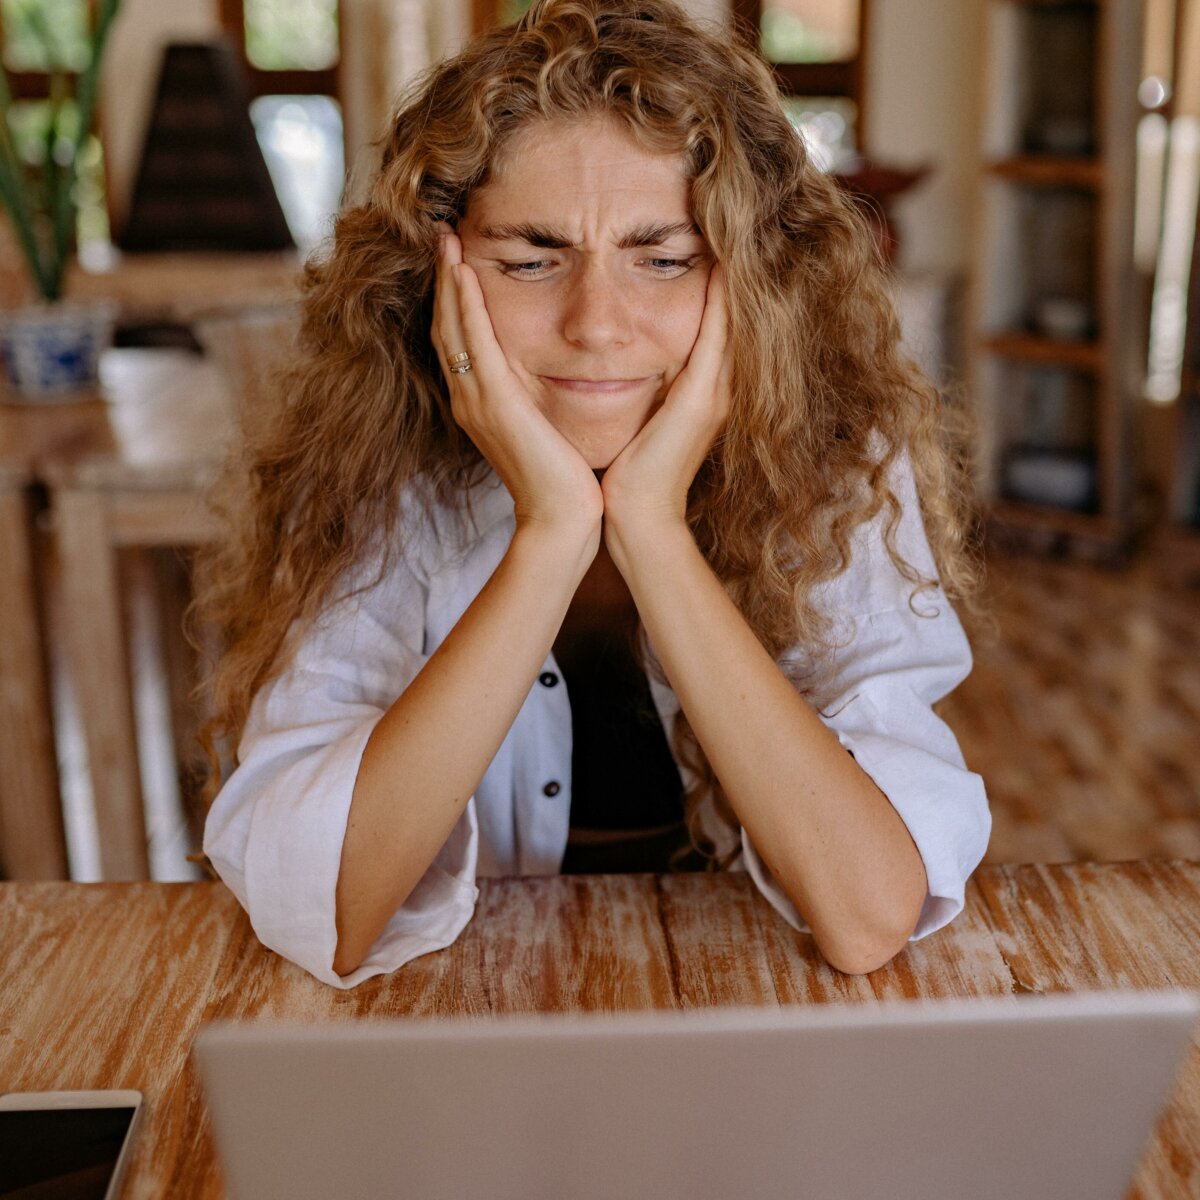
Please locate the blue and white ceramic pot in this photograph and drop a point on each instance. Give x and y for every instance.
(52, 351)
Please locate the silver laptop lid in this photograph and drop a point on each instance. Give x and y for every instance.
(937, 1100)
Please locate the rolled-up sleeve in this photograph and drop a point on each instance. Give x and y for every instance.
(899, 654)
(275, 831)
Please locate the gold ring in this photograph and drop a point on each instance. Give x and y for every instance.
(460, 363)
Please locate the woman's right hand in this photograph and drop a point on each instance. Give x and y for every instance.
(548, 479)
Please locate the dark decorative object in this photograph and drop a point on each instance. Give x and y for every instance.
(203, 183)
(874, 186)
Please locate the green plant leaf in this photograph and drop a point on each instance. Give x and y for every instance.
(14, 180)
(19, 187)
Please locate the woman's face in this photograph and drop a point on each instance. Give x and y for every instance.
(594, 275)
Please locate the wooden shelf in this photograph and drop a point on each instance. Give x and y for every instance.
(1044, 170)
(1038, 516)
(1043, 530)
(1178, 550)
(1046, 351)
(1052, 3)
(1182, 536)
(1058, 140)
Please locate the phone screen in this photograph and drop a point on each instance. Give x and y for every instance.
(60, 1153)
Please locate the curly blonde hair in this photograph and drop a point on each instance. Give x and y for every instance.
(824, 401)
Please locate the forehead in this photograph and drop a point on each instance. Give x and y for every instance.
(554, 168)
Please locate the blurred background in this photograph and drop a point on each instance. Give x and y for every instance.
(1031, 170)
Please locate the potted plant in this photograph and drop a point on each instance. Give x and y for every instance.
(51, 347)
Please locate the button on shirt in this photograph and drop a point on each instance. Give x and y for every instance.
(275, 831)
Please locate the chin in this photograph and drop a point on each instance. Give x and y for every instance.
(600, 450)
(599, 442)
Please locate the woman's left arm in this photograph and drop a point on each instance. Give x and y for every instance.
(829, 836)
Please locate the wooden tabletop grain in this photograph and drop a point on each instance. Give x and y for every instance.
(106, 985)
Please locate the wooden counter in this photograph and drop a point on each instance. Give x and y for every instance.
(105, 985)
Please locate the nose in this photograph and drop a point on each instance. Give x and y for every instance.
(596, 314)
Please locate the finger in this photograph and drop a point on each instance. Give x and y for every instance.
(476, 325)
(705, 363)
(714, 325)
(442, 287)
(707, 377)
(448, 324)
(720, 320)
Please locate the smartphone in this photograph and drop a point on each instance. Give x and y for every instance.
(65, 1145)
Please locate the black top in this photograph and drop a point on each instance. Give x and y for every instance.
(623, 776)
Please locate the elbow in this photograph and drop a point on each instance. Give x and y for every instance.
(348, 951)
(861, 957)
(347, 954)
(869, 948)
(357, 931)
(345, 963)
(353, 945)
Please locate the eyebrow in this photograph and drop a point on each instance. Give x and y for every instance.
(545, 238)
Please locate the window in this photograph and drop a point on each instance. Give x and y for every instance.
(290, 51)
(817, 49)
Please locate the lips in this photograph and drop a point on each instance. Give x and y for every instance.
(600, 387)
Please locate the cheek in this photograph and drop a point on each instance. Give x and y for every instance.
(517, 315)
(677, 322)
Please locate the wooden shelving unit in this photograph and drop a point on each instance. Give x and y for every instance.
(1054, 347)
(1078, 354)
(1049, 169)
(1180, 542)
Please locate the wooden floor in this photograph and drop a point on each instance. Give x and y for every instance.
(1083, 712)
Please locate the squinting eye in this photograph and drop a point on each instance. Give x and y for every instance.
(670, 266)
(526, 269)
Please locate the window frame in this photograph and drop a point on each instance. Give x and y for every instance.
(325, 81)
(846, 80)
(35, 85)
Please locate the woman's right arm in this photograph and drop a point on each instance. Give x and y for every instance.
(429, 751)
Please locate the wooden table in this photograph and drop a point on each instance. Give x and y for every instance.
(128, 466)
(105, 985)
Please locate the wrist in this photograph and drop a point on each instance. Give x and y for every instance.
(648, 537)
(556, 549)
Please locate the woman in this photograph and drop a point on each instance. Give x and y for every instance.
(601, 388)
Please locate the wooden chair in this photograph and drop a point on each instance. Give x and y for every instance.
(32, 841)
(95, 517)
(172, 417)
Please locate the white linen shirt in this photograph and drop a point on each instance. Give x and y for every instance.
(275, 831)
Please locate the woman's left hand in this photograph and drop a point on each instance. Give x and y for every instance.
(647, 483)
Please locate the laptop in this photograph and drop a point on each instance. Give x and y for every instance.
(1036, 1097)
